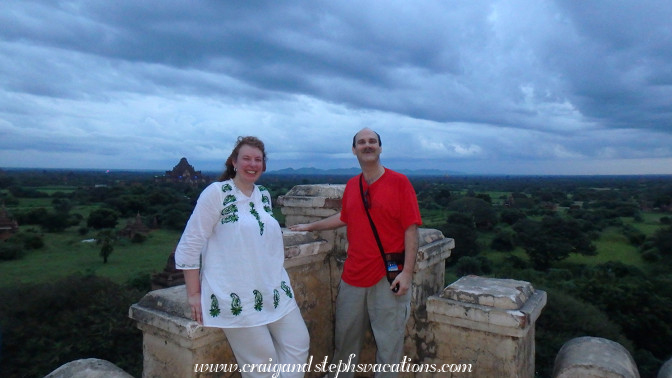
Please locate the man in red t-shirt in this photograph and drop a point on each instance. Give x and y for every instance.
(364, 293)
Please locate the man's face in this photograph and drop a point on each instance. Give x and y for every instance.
(367, 149)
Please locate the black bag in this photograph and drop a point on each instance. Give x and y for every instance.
(394, 261)
(394, 264)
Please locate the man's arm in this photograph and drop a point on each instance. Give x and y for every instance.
(329, 223)
(405, 278)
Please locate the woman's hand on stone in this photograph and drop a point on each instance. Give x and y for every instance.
(196, 310)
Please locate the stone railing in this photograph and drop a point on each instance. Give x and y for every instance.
(490, 322)
(483, 327)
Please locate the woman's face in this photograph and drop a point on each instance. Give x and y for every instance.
(249, 164)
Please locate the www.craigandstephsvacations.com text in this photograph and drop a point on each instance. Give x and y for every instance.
(405, 366)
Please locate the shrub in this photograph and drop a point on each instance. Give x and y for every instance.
(478, 265)
(503, 241)
(10, 251)
(138, 238)
(74, 318)
(651, 255)
(565, 318)
(102, 218)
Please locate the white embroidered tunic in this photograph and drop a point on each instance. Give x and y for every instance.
(238, 246)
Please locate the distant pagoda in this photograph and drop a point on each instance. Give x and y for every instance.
(185, 173)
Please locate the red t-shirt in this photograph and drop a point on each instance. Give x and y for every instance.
(394, 207)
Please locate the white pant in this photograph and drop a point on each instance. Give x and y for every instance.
(285, 341)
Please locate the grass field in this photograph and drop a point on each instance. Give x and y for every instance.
(611, 246)
(56, 188)
(433, 218)
(65, 254)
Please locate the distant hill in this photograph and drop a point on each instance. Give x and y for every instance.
(311, 171)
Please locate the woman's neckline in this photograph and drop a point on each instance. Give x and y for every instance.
(241, 191)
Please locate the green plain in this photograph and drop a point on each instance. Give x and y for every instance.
(66, 253)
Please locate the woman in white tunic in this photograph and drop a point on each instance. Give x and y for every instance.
(232, 255)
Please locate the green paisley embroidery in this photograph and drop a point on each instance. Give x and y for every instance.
(230, 209)
(230, 212)
(267, 204)
(236, 308)
(256, 215)
(276, 298)
(214, 306)
(228, 199)
(230, 219)
(286, 288)
(258, 300)
(262, 188)
(226, 188)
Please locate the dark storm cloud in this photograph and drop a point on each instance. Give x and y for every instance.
(461, 81)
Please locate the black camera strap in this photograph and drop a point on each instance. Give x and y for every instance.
(373, 226)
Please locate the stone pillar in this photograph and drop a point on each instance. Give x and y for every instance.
(594, 357)
(428, 280)
(309, 203)
(486, 324)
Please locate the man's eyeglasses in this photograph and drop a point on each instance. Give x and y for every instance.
(367, 199)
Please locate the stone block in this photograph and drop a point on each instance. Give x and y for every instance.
(88, 368)
(594, 357)
(488, 323)
(665, 370)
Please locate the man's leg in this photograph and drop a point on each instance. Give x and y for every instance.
(389, 314)
(352, 323)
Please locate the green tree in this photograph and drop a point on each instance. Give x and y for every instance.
(76, 317)
(106, 240)
(55, 222)
(482, 213)
(503, 241)
(102, 218)
(662, 240)
(461, 228)
(477, 265)
(511, 216)
(61, 205)
(551, 240)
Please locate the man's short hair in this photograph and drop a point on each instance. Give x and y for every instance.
(354, 139)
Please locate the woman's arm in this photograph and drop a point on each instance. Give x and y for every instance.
(193, 281)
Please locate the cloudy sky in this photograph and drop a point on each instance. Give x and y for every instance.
(473, 86)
